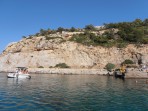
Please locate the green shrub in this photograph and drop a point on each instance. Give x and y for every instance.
(110, 66)
(40, 67)
(62, 65)
(120, 43)
(90, 27)
(127, 61)
(60, 29)
(73, 29)
(145, 40)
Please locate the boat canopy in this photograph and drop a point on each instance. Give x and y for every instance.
(22, 68)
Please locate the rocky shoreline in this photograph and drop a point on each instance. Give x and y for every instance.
(63, 71)
(134, 73)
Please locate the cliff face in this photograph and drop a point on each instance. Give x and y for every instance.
(38, 51)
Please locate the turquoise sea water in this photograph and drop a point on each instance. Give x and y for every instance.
(45, 92)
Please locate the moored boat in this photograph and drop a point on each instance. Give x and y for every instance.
(119, 74)
(21, 72)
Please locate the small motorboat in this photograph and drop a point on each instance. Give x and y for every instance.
(17, 75)
(119, 74)
(21, 72)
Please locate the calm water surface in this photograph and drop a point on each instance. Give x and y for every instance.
(45, 92)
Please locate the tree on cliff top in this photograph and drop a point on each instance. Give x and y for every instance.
(90, 27)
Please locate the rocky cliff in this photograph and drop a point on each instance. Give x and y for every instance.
(48, 52)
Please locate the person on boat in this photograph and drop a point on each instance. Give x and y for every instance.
(123, 69)
(25, 71)
(16, 70)
(20, 71)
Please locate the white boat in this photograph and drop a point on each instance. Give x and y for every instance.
(16, 75)
(21, 72)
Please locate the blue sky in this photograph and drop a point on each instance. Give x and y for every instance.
(25, 17)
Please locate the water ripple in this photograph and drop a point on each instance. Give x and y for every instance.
(73, 93)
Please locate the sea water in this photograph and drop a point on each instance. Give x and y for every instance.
(52, 92)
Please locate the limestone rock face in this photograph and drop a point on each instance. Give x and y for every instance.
(39, 51)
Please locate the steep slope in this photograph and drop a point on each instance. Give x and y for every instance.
(38, 51)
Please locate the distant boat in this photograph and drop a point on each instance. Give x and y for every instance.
(119, 74)
(21, 72)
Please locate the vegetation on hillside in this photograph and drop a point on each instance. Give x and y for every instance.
(135, 32)
(115, 34)
(130, 64)
(62, 65)
(127, 61)
(132, 32)
(110, 66)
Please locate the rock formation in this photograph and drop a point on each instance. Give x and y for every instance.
(48, 52)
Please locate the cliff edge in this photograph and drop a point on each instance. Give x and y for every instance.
(42, 52)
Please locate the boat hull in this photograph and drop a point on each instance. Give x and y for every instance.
(118, 74)
(16, 75)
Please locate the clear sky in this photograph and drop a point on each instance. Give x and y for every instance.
(25, 17)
